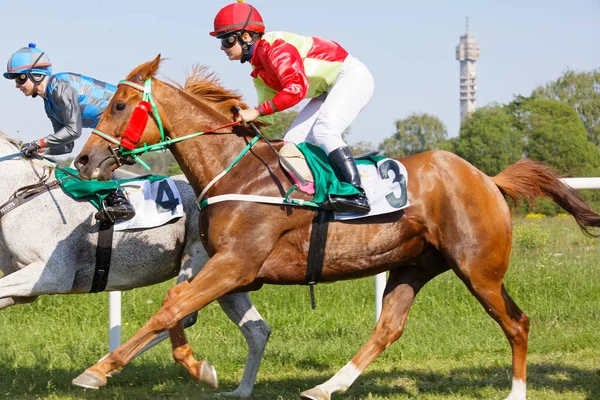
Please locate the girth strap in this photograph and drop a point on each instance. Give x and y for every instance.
(103, 256)
(316, 251)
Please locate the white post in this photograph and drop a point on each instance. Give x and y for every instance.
(582, 183)
(114, 320)
(380, 280)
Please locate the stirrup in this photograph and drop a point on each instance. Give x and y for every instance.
(115, 213)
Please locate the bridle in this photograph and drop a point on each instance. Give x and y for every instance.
(126, 148)
(30, 75)
(125, 151)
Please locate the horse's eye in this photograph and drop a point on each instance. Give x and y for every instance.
(120, 106)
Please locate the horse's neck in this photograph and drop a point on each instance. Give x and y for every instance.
(16, 172)
(204, 158)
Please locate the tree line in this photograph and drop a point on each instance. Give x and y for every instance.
(558, 124)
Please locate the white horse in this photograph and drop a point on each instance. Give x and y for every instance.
(48, 245)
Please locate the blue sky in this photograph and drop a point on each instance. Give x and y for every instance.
(408, 46)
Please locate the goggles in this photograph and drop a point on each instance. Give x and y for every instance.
(22, 78)
(229, 40)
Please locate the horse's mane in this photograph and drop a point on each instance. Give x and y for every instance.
(204, 85)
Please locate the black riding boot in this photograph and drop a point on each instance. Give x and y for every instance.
(116, 207)
(344, 162)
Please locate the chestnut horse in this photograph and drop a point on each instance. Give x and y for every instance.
(459, 219)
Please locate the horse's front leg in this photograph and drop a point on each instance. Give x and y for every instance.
(24, 285)
(222, 274)
(202, 370)
(6, 302)
(241, 311)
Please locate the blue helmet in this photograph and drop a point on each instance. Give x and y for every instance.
(28, 60)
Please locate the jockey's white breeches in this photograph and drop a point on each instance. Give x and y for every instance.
(326, 117)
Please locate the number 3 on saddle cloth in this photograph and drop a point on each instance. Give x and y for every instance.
(384, 180)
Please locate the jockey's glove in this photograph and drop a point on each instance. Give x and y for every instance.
(29, 149)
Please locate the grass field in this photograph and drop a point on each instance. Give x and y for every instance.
(451, 349)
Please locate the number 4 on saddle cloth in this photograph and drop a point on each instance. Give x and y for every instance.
(155, 198)
(384, 180)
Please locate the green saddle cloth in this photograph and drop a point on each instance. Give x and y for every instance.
(95, 191)
(327, 180)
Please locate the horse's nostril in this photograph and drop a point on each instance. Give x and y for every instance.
(81, 161)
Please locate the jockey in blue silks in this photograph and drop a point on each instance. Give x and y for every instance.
(72, 102)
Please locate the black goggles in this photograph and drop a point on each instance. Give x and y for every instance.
(21, 78)
(229, 40)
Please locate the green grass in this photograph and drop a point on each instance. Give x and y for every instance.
(451, 349)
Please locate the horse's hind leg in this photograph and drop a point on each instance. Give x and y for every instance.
(403, 285)
(487, 286)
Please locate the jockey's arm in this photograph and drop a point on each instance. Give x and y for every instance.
(286, 63)
(69, 126)
(59, 149)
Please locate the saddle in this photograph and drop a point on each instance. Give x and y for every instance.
(384, 179)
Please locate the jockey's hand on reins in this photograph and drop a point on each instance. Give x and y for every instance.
(236, 111)
(31, 148)
(245, 116)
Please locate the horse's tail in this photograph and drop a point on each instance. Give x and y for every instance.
(528, 179)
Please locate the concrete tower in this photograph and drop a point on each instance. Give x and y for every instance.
(467, 52)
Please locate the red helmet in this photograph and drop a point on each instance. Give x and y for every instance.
(236, 17)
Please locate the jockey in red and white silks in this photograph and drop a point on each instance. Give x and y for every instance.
(288, 68)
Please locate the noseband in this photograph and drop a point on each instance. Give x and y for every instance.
(124, 151)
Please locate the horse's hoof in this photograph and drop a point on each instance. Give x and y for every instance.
(89, 380)
(208, 375)
(315, 394)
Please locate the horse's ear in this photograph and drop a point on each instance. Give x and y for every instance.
(145, 71)
(154, 64)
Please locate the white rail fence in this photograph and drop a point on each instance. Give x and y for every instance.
(114, 298)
